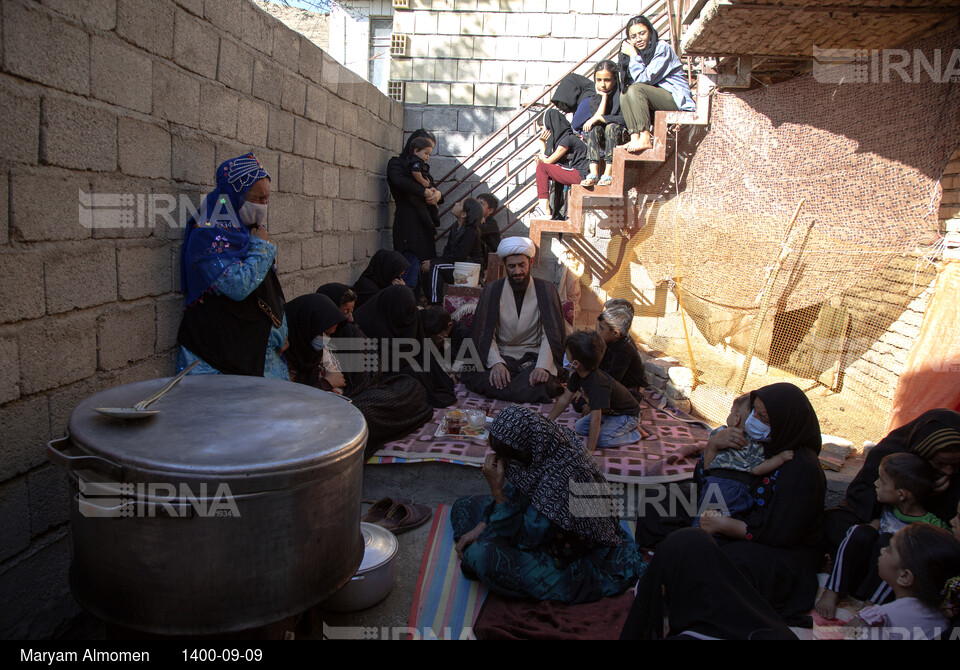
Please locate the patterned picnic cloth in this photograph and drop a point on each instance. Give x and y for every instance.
(668, 455)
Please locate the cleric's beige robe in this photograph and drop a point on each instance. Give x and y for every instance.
(516, 336)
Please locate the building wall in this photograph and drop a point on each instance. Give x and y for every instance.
(145, 99)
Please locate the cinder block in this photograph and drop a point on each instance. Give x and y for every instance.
(331, 246)
(508, 95)
(294, 97)
(57, 350)
(126, 334)
(290, 214)
(196, 46)
(120, 75)
(588, 26)
(267, 81)
(415, 93)
(288, 254)
(534, 5)
(331, 73)
(144, 148)
(99, 14)
(311, 252)
(49, 491)
(425, 23)
(235, 66)
(563, 25)
(286, 46)
(290, 178)
(560, 6)
(317, 103)
(438, 94)
(341, 150)
(21, 104)
(349, 123)
(176, 95)
(44, 205)
(149, 25)
(41, 48)
(304, 137)
(323, 215)
(193, 157)
(15, 508)
(9, 369)
(78, 136)
(313, 175)
(143, 269)
(252, 122)
(518, 25)
(280, 130)
(491, 71)
(311, 61)
(169, 314)
(79, 275)
(226, 15)
(219, 108)
(494, 24)
(446, 69)
(26, 430)
(257, 28)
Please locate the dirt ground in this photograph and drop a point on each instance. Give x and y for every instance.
(840, 414)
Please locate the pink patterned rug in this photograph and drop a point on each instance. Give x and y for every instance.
(668, 455)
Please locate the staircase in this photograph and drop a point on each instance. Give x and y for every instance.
(625, 163)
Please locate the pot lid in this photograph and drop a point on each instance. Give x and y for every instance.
(379, 546)
(224, 426)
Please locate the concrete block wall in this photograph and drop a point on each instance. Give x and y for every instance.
(116, 114)
(497, 53)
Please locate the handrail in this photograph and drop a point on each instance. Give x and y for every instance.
(473, 171)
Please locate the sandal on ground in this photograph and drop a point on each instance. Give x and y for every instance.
(605, 180)
(590, 180)
(405, 515)
(379, 510)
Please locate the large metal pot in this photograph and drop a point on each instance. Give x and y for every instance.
(236, 506)
(374, 579)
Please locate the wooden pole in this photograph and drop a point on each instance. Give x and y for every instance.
(765, 300)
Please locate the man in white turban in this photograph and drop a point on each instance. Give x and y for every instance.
(518, 332)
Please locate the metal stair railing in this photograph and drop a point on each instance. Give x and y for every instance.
(662, 22)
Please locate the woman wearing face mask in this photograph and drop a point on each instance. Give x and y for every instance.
(776, 543)
(233, 322)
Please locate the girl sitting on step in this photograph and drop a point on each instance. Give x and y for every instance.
(605, 127)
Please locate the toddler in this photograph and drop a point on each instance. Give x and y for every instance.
(421, 148)
(614, 413)
(731, 473)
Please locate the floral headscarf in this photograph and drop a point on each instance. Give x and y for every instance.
(556, 464)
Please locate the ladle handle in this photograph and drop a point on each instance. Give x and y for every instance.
(173, 382)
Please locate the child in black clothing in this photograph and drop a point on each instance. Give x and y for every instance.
(421, 148)
(489, 229)
(463, 246)
(614, 413)
(621, 360)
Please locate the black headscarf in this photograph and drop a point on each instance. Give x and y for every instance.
(558, 126)
(793, 421)
(932, 431)
(571, 91)
(334, 291)
(383, 268)
(391, 313)
(308, 316)
(692, 582)
(419, 132)
(646, 54)
(547, 457)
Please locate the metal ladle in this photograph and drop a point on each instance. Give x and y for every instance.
(140, 410)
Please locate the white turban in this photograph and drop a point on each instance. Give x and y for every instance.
(512, 246)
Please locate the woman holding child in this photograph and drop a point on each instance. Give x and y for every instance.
(528, 539)
(412, 237)
(776, 542)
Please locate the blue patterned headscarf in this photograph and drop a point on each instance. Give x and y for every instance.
(215, 239)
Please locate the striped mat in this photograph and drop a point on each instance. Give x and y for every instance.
(445, 603)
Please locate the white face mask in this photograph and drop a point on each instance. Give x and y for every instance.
(251, 214)
(320, 342)
(755, 429)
